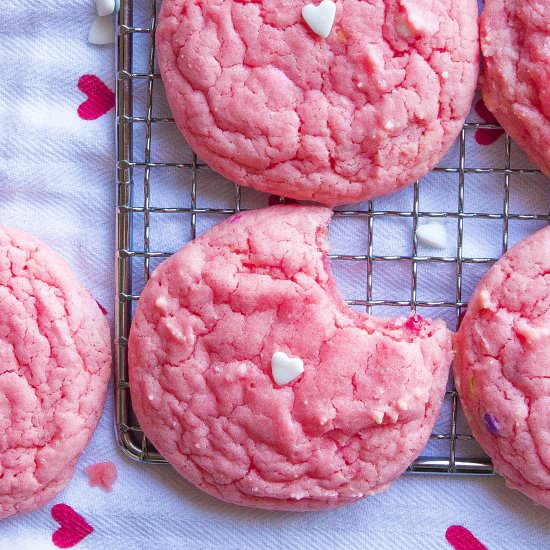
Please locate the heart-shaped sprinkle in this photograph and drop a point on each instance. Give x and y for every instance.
(285, 369)
(74, 528)
(100, 98)
(432, 234)
(106, 7)
(102, 31)
(320, 18)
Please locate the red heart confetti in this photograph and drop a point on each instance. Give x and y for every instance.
(74, 528)
(461, 539)
(486, 136)
(100, 98)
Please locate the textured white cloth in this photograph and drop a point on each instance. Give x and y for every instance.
(57, 181)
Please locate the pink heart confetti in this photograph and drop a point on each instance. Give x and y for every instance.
(461, 539)
(74, 528)
(100, 97)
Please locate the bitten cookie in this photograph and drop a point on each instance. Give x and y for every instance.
(55, 358)
(502, 366)
(268, 102)
(516, 82)
(254, 379)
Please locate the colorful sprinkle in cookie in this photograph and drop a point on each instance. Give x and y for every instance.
(502, 366)
(334, 101)
(55, 359)
(255, 380)
(516, 83)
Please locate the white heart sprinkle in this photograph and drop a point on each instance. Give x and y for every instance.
(432, 234)
(285, 369)
(102, 31)
(320, 18)
(106, 7)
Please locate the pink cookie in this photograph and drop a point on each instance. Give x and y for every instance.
(366, 111)
(515, 37)
(55, 358)
(255, 380)
(502, 367)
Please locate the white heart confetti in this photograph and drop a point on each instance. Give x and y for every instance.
(102, 31)
(285, 369)
(432, 234)
(105, 7)
(320, 18)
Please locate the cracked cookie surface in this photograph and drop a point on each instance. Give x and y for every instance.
(362, 113)
(55, 358)
(502, 366)
(515, 41)
(203, 337)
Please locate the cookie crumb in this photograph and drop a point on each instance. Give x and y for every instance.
(102, 475)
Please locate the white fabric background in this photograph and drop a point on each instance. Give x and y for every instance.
(57, 181)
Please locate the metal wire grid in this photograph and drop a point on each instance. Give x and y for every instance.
(130, 436)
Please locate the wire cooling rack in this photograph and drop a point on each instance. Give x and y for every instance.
(147, 200)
